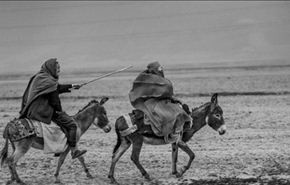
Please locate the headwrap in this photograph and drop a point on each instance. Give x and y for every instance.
(147, 86)
(43, 82)
(155, 68)
(50, 67)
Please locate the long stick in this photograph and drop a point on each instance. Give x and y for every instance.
(105, 75)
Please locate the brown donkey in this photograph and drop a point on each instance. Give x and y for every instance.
(84, 118)
(210, 113)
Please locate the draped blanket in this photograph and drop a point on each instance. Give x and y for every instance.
(18, 129)
(152, 95)
(54, 140)
(39, 84)
(148, 86)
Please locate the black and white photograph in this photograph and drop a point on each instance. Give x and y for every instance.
(145, 92)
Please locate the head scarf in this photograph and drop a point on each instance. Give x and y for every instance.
(150, 84)
(155, 68)
(50, 67)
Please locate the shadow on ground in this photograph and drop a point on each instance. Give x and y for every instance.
(236, 181)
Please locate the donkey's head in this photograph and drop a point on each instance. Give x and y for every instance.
(101, 115)
(214, 117)
(95, 110)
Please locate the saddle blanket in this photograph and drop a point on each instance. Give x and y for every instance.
(54, 139)
(132, 127)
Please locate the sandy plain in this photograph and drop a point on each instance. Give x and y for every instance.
(255, 149)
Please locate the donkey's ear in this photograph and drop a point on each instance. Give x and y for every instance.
(103, 100)
(214, 98)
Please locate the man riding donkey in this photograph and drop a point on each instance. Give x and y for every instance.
(41, 102)
(152, 94)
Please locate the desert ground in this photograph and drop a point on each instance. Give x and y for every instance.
(255, 149)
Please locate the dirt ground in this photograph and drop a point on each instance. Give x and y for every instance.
(255, 149)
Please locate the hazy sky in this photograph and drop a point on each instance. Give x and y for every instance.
(99, 34)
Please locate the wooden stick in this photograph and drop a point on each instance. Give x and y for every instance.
(105, 75)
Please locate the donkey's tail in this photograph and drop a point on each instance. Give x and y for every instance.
(118, 134)
(4, 152)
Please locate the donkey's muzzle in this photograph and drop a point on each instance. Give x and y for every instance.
(107, 128)
(222, 130)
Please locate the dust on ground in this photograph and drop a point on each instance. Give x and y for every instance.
(255, 150)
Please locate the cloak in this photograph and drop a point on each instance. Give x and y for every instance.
(41, 83)
(152, 94)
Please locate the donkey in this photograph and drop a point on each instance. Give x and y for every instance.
(84, 118)
(210, 113)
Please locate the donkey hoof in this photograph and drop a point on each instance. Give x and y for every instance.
(57, 181)
(173, 173)
(113, 180)
(178, 175)
(21, 182)
(9, 182)
(90, 176)
(147, 177)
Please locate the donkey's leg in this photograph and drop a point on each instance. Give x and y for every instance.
(59, 164)
(137, 145)
(174, 155)
(9, 162)
(12, 175)
(191, 155)
(82, 160)
(21, 147)
(125, 144)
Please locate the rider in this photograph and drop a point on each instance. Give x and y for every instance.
(41, 102)
(153, 94)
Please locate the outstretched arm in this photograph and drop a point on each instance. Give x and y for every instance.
(65, 88)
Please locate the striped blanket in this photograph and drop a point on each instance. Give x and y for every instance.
(54, 139)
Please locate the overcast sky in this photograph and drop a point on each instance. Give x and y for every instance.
(98, 34)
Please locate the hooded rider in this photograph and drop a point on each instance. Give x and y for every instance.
(41, 102)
